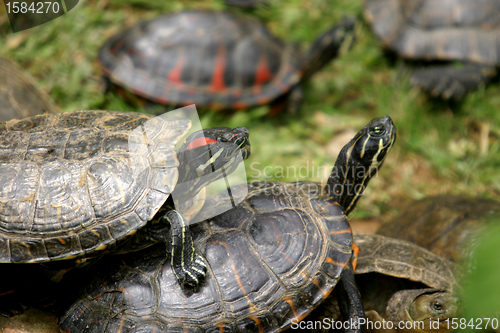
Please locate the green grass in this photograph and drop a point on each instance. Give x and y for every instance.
(439, 144)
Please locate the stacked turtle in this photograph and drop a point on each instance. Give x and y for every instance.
(216, 59)
(445, 31)
(270, 260)
(70, 189)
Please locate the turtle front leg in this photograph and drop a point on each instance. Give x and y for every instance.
(187, 264)
(349, 299)
(450, 81)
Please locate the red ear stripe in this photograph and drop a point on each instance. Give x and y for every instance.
(200, 142)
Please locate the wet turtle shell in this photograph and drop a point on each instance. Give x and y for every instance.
(100, 200)
(447, 225)
(217, 59)
(271, 260)
(19, 96)
(400, 282)
(466, 31)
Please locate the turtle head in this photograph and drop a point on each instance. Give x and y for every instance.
(427, 309)
(359, 161)
(328, 46)
(210, 150)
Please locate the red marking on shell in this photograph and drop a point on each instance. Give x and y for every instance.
(263, 74)
(355, 253)
(200, 142)
(240, 105)
(175, 74)
(217, 83)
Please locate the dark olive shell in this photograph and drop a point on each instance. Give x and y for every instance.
(216, 59)
(270, 261)
(68, 186)
(19, 96)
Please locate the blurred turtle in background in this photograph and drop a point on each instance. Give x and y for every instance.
(19, 97)
(462, 34)
(447, 225)
(220, 60)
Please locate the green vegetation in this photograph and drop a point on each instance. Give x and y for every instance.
(441, 147)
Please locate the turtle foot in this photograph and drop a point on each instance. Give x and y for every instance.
(191, 273)
(450, 82)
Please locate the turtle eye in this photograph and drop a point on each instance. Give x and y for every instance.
(378, 129)
(436, 305)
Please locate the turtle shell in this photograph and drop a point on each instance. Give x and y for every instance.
(447, 225)
(464, 30)
(270, 260)
(68, 186)
(216, 59)
(19, 96)
(388, 268)
(402, 259)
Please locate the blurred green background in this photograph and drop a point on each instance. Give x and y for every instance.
(442, 147)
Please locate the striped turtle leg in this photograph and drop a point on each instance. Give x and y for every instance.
(187, 264)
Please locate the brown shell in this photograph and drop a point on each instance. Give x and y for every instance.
(19, 96)
(446, 225)
(464, 30)
(68, 186)
(402, 259)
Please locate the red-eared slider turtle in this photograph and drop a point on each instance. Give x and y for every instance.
(447, 225)
(69, 186)
(19, 96)
(217, 59)
(401, 283)
(464, 31)
(270, 260)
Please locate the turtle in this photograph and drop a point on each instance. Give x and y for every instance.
(271, 259)
(400, 282)
(216, 59)
(19, 96)
(79, 183)
(461, 35)
(448, 225)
